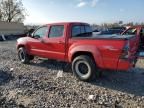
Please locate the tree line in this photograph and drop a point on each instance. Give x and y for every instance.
(14, 11)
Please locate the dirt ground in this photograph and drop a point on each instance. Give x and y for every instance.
(44, 84)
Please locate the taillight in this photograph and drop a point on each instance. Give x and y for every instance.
(125, 51)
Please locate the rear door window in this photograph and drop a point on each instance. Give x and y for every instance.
(56, 31)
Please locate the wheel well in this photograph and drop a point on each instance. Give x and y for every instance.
(20, 46)
(82, 53)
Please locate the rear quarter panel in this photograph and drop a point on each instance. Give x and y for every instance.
(105, 52)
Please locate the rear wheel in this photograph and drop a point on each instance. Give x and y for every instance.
(84, 67)
(23, 56)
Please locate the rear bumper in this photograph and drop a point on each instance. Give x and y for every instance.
(126, 64)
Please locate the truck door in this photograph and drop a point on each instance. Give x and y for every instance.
(35, 44)
(55, 42)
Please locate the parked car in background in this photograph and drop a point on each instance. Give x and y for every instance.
(138, 31)
(26, 33)
(111, 31)
(96, 32)
(15, 36)
(74, 43)
(2, 37)
(119, 28)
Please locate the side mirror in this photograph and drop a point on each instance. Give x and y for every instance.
(36, 36)
(29, 34)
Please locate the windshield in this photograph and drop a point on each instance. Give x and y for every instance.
(131, 31)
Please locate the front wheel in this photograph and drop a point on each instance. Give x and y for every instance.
(84, 67)
(23, 56)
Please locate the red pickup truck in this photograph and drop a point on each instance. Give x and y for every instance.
(74, 42)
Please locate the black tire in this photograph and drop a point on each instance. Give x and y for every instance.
(84, 68)
(23, 56)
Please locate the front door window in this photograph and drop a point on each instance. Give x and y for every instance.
(40, 32)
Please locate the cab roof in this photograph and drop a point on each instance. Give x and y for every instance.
(67, 23)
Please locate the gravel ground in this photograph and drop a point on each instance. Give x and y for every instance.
(43, 84)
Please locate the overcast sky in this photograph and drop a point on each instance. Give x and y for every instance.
(91, 11)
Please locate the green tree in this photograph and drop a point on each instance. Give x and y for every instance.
(12, 11)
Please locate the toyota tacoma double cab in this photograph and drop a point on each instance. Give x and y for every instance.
(73, 42)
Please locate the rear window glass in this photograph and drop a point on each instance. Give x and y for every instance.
(81, 31)
(76, 31)
(88, 29)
